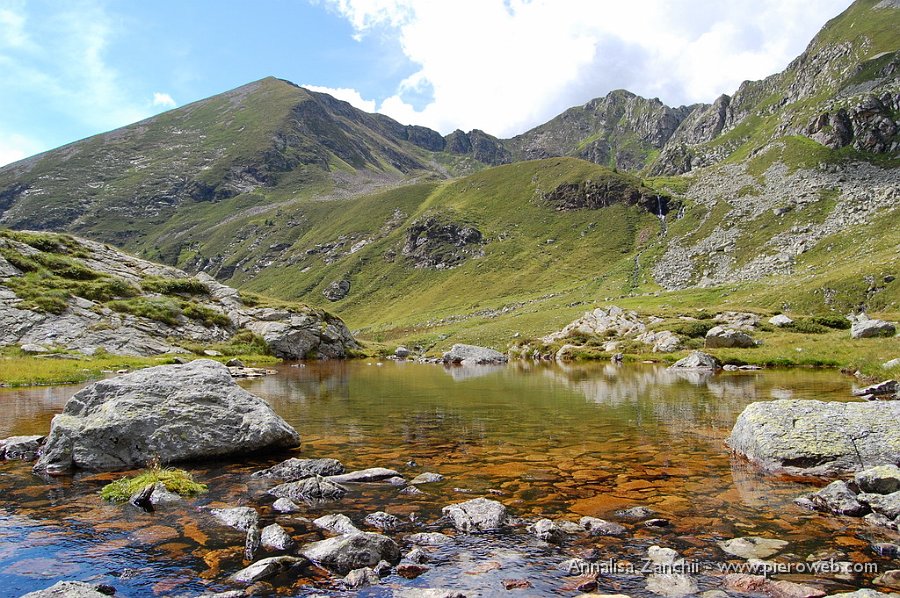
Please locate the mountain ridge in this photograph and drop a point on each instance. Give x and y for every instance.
(296, 194)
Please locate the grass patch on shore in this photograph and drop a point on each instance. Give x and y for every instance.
(175, 480)
(19, 370)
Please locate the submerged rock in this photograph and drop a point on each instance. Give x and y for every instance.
(808, 437)
(473, 355)
(373, 474)
(427, 478)
(477, 515)
(752, 547)
(343, 554)
(241, 518)
(171, 412)
(294, 469)
(429, 539)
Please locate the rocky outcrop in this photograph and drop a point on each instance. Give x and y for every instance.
(173, 413)
(593, 195)
(473, 355)
(807, 437)
(867, 124)
(337, 290)
(437, 243)
(602, 322)
(481, 146)
(137, 307)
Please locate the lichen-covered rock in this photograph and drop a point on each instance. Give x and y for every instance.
(343, 554)
(808, 437)
(477, 515)
(275, 537)
(172, 412)
(337, 523)
(546, 530)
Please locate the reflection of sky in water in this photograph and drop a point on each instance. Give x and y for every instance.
(545, 440)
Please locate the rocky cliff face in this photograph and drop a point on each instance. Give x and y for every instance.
(620, 129)
(59, 292)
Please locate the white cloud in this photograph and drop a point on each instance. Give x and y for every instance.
(350, 96)
(14, 147)
(163, 99)
(507, 65)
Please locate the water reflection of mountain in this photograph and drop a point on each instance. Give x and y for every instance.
(29, 410)
(467, 372)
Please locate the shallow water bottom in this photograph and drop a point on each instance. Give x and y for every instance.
(546, 441)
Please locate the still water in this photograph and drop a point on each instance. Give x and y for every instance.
(545, 440)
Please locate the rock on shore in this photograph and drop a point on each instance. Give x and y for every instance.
(806, 437)
(471, 354)
(171, 412)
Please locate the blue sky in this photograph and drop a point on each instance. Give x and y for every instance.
(72, 69)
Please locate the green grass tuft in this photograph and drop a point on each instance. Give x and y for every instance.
(175, 480)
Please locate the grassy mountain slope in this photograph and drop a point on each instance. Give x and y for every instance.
(782, 196)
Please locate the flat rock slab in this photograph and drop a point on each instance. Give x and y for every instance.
(805, 437)
(172, 412)
(373, 474)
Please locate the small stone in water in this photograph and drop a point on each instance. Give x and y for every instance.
(417, 555)
(484, 567)
(411, 570)
(658, 522)
(516, 584)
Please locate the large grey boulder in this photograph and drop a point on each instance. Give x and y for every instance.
(343, 554)
(172, 412)
(807, 437)
(864, 327)
(477, 515)
(727, 338)
(697, 360)
(473, 355)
